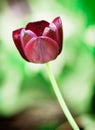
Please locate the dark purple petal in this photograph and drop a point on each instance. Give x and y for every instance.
(58, 23)
(26, 36)
(17, 41)
(37, 27)
(40, 41)
(51, 32)
(41, 49)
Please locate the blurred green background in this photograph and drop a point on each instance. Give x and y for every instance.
(26, 87)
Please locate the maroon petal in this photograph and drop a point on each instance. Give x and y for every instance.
(37, 27)
(58, 23)
(17, 41)
(41, 49)
(51, 32)
(26, 36)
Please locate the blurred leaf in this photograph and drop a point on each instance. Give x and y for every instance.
(89, 9)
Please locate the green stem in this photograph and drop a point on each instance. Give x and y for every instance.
(60, 99)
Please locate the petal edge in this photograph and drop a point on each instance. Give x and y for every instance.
(58, 23)
(17, 41)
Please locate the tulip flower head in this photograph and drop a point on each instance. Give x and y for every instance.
(39, 41)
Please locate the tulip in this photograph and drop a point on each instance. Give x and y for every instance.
(39, 41)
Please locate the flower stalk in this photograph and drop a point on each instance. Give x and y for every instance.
(60, 99)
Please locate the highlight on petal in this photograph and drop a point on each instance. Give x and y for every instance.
(41, 50)
(26, 36)
(58, 23)
(17, 41)
(37, 27)
(51, 32)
